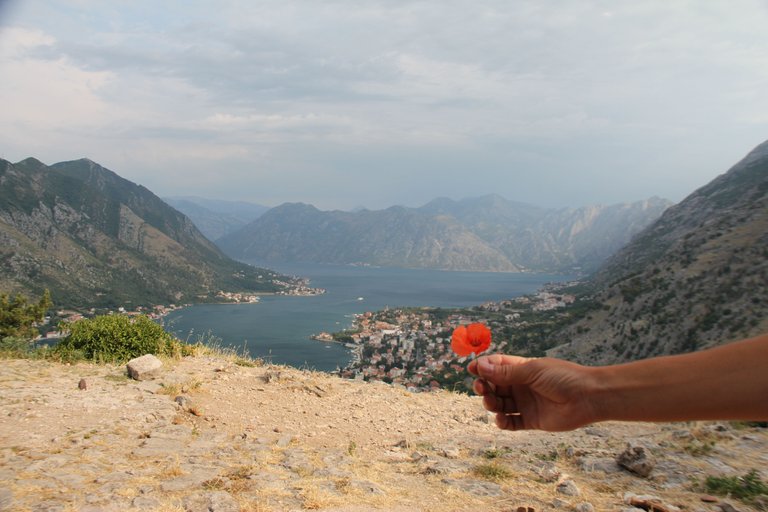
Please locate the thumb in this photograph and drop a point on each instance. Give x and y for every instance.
(505, 370)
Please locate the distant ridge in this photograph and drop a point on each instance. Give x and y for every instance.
(214, 217)
(696, 277)
(484, 234)
(96, 239)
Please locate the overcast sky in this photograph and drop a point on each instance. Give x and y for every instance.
(342, 103)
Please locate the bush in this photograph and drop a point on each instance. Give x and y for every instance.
(118, 338)
(746, 487)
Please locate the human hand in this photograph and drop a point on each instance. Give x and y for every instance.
(545, 394)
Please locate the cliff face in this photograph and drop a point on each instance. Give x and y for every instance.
(484, 234)
(94, 238)
(696, 277)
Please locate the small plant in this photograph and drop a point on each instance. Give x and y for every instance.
(352, 448)
(214, 484)
(699, 448)
(746, 487)
(343, 485)
(492, 471)
(495, 453)
(550, 456)
(241, 472)
(172, 389)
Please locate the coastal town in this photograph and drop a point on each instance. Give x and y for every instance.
(410, 347)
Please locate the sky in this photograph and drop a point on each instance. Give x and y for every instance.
(348, 103)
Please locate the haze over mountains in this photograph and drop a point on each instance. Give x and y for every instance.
(482, 234)
(96, 239)
(216, 218)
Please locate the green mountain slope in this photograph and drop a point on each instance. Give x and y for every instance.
(96, 239)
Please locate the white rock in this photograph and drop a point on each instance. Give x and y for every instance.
(144, 367)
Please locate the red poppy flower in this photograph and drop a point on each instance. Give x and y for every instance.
(472, 338)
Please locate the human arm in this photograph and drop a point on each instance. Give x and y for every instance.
(727, 382)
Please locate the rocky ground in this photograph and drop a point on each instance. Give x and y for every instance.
(215, 434)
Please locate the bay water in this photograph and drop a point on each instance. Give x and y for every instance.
(278, 328)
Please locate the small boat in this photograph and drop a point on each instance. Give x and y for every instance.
(360, 298)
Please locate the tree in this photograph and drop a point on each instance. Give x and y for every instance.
(18, 317)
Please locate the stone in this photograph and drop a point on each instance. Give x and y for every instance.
(144, 367)
(476, 487)
(443, 467)
(548, 472)
(648, 502)
(727, 507)
(450, 452)
(284, 441)
(193, 480)
(145, 503)
(636, 459)
(584, 507)
(596, 431)
(568, 487)
(82, 385)
(6, 498)
(604, 464)
(184, 402)
(366, 487)
(217, 501)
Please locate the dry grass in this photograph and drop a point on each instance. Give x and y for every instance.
(171, 470)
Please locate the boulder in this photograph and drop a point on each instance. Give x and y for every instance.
(144, 367)
(567, 487)
(636, 459)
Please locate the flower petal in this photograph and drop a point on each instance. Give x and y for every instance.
(475, 337)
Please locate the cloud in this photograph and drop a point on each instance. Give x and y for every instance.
(562, 104)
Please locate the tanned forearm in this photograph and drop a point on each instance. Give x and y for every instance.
(727, 382)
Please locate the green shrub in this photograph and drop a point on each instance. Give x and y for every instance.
(118, 338)
(492, 471)
(746, 487)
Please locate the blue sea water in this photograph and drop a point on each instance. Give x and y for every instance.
(278, 327)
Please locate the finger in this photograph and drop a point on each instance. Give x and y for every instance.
(480, 387)
(510, 421)
(472, 367)
(483, 387)
(503, 369)
(499, 404)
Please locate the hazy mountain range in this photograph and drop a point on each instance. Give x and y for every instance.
(696, 277)
(486, 233)
(96, 239)
(216, 218)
